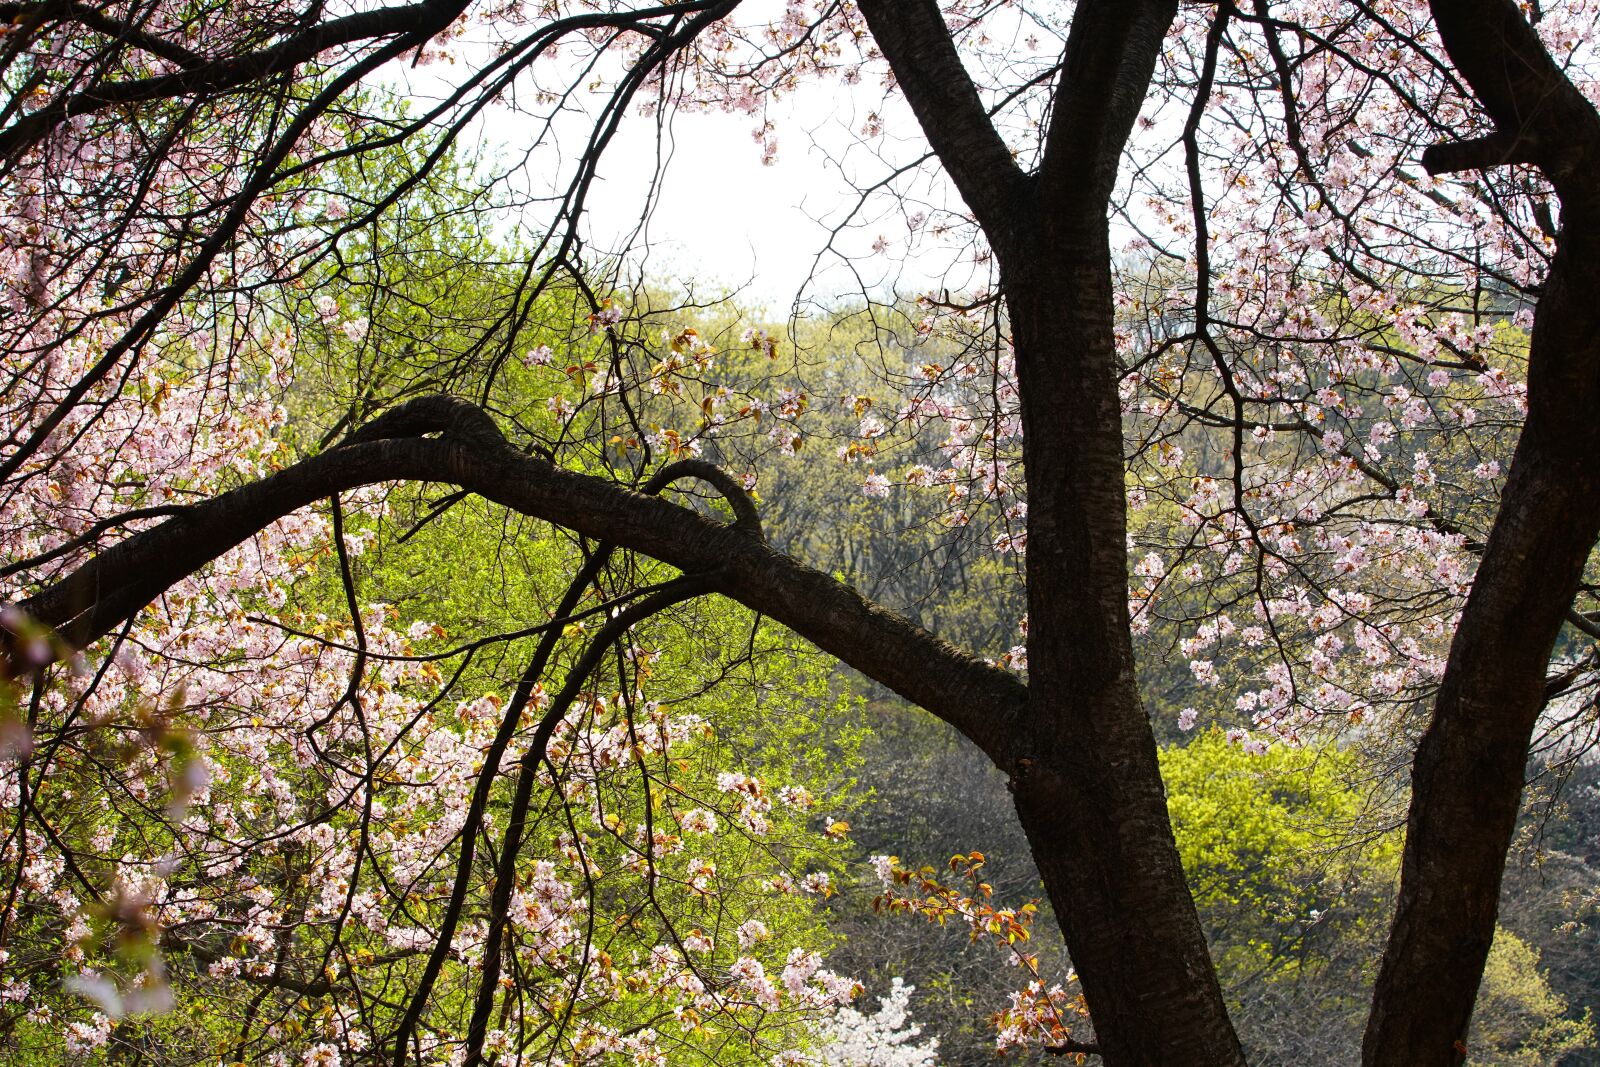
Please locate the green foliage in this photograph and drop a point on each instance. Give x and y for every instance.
(1273, 845)
(1519, 1020)
(1293, 871)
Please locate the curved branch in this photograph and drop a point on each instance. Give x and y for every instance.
(1540, 116)
(416, 22)
(1468, 773)
(505, 872)
(1105, 74)
(443, 411)
(102, 23)
(915, 40)
(980, 700)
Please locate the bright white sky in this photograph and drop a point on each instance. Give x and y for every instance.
(723, 221)
(723, 218)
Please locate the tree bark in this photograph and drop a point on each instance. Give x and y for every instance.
(1086, 778)
(1468, 772)
(1088, 786)
(977, 698)
(1467, 778)
(1077, 742)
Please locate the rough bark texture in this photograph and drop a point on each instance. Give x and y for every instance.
(1087, 784)
(1088, 787)
(1468, 774)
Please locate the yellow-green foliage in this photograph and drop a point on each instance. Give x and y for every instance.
(1519, 1020)
(1274, 846)
(1294, 873)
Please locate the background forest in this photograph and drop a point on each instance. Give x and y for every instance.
(412, 646)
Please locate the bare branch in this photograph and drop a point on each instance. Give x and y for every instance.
(1543, 116)
(1497, 149)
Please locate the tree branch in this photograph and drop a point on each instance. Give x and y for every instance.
(416, 21)
(30, 15)
(918, 45)
(1497, 149)
(1105, 76)
(1470, 765)
(1535, 108)
(980, 700)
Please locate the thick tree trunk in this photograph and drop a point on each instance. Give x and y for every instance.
(1088, 786)
(1468, 774)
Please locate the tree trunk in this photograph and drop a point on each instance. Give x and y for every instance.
(1088, 786)
(1083, 763)
(1466, 782)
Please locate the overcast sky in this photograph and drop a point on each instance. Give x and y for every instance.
(724, 217)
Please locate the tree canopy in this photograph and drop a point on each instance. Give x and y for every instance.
(402, 585)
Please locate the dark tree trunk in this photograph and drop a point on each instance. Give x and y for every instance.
(1088, 788)
(1467, 778)
(1468, 774)
(1077, 743)
(1085, 775)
